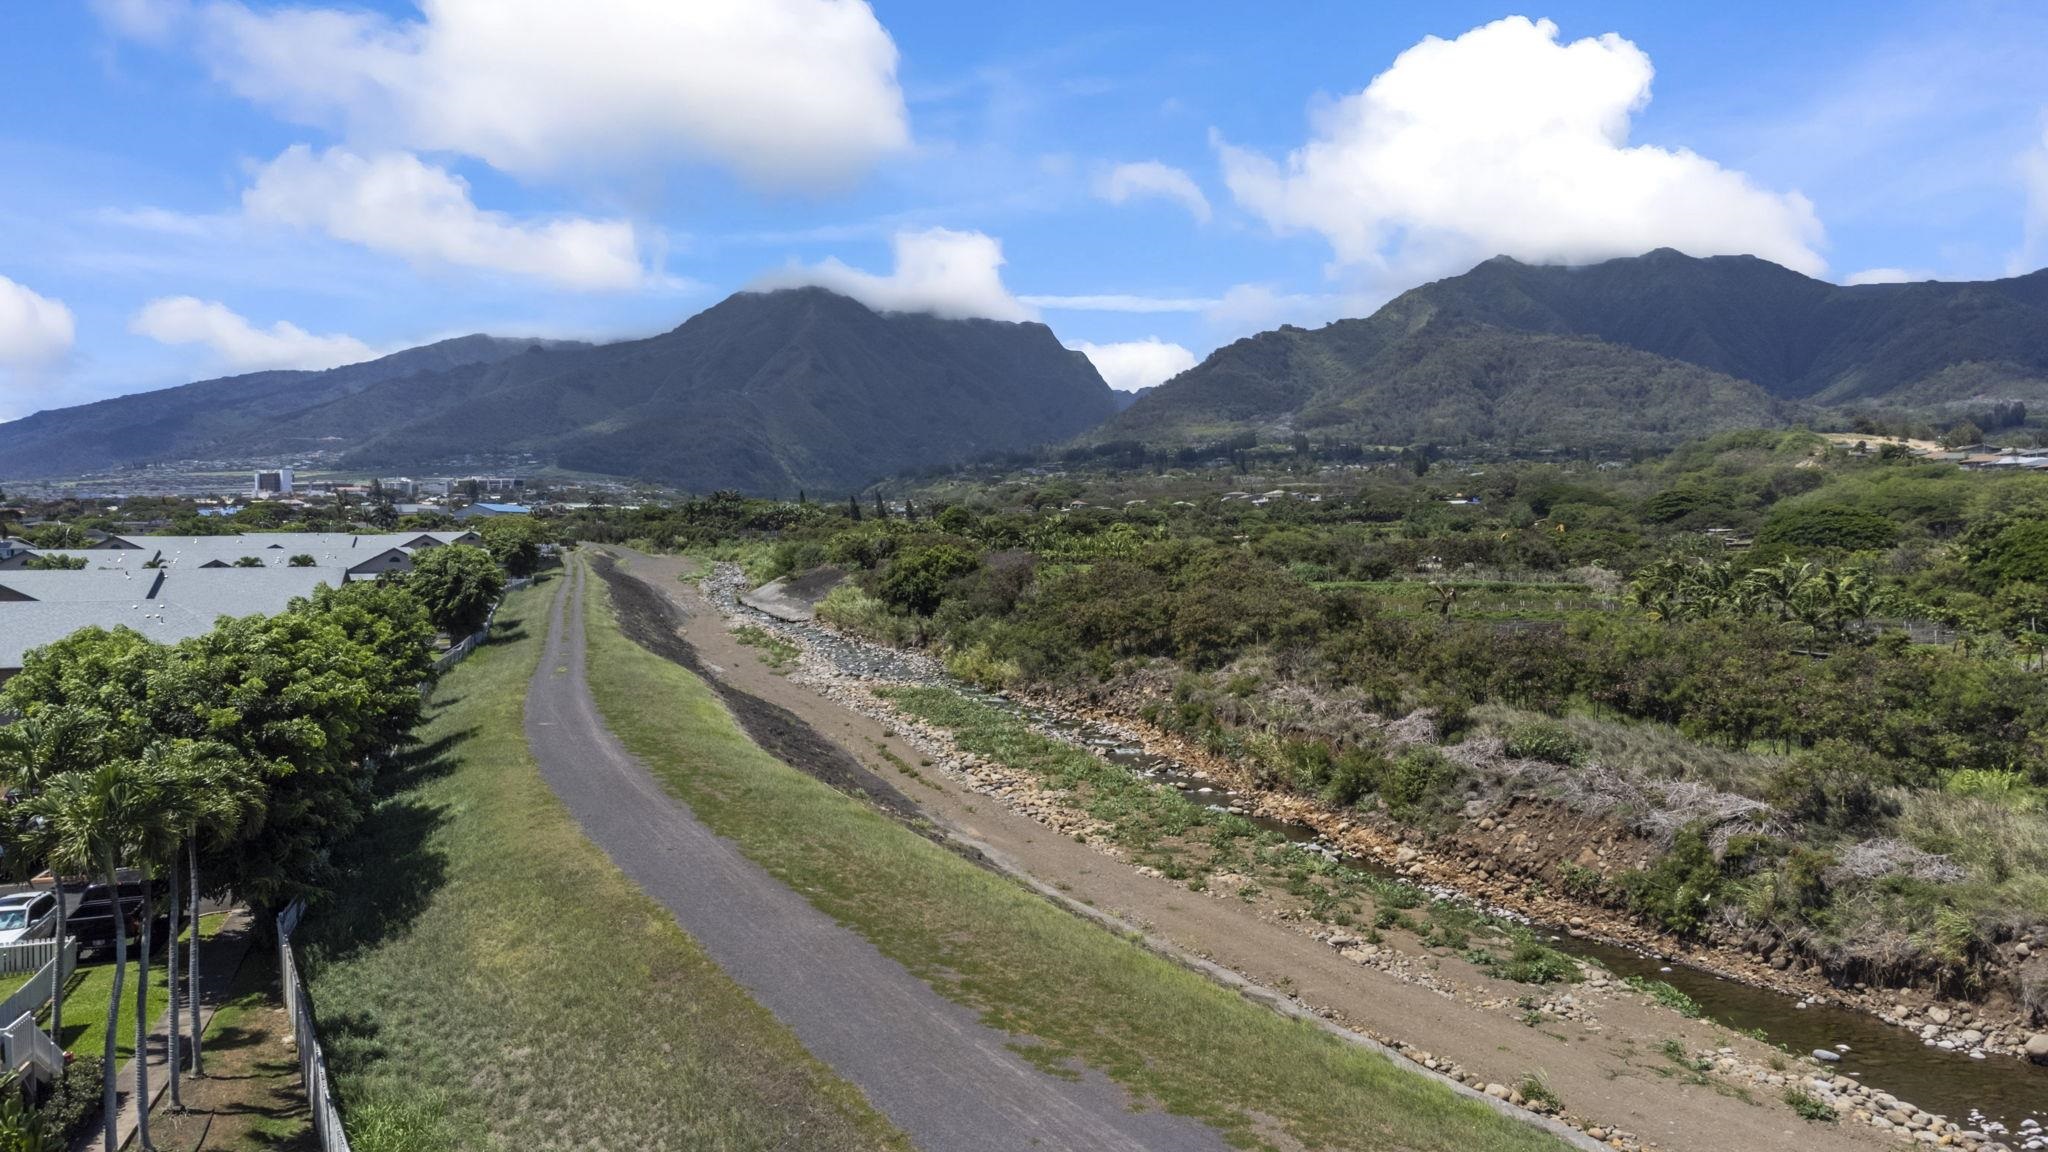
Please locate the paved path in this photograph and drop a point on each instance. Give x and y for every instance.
(926, 1063)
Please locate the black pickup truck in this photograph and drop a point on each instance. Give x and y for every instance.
(92, 922)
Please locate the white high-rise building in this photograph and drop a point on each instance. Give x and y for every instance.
(274, 483)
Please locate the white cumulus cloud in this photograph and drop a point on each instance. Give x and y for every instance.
(147, 20)
(34, 329)
(784, 92)
(1152, 179)
(1120, 302)
(395, 202)
(1133, 364)
(240, 344)
(951, 274)
(2034, 228)
(1506, 141)
(1886, 276)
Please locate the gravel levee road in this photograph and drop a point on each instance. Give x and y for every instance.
(929, 1065)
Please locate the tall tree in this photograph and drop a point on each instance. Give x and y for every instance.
(89, 820)
(457, 585)
(514, 542)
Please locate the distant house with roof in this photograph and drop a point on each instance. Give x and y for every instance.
(358, 554)
(172, 587)
(38, 608)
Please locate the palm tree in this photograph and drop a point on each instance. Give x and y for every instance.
(1781, 586)
(32, 751)
(88, 818)
(1657, 589)
(211, 792)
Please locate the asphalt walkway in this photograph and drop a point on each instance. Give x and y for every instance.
(946, 1079)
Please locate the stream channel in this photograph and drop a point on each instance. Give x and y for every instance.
(1973, 1092)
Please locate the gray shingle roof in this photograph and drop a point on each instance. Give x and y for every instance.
(186, 603)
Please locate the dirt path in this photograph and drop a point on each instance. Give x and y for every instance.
(1612, 1072)
(926, 1063)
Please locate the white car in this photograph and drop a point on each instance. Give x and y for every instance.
(22, 911)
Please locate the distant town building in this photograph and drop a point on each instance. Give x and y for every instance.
(277, 482)
(485, 511)
(489, 485)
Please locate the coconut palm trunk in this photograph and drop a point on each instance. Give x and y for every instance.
(171, 986)
(142, 1023)
(57, 966)
(108, 1112)
(192, 972)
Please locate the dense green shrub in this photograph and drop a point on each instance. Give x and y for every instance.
(1543, 740)
(1837, 527)
(1418, 782)
(1680, 887)
(916, 580)
(1356, 773)
(1834, 785)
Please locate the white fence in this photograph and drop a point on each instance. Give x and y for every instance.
(312, 1061)
(35, 991)
(23, 1042)
(27, 955)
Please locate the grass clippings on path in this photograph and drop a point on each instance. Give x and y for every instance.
(492, 981)
(1078, 992)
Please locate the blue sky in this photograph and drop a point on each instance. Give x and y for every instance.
(191, 188)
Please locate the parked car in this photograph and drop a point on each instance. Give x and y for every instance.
(23, 911)
(92, 922)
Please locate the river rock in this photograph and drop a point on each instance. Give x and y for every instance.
(1826, 1056)
(2037, 1048)
(1497, 1091)
(1938, 1014)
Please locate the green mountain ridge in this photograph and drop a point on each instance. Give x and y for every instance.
(765, 392)
(1641, 351)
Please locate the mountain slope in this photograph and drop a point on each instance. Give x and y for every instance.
(1643, 350)
(1794, 336)
(1445, 381)
(771, 392)
(233, 417)
(766, 392)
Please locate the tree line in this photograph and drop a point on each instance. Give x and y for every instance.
(231, 762)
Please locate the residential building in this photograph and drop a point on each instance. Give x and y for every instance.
(38, 608)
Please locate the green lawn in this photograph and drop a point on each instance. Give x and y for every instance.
(491, 981)
(86, 994)
(1030, 967)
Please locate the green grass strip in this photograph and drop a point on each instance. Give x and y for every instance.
(490, 980)
(983, 940)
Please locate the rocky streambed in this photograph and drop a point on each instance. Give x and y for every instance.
(1857, 1063)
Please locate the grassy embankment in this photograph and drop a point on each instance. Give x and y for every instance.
(1189, 841)
(1083, 993)
(490, 980)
